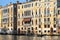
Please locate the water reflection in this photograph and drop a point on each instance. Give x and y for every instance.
(3, 37)
(14, 37)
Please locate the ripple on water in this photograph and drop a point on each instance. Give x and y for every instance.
(14, 37)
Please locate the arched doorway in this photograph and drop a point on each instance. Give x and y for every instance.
(18, 30)
(28, 31)
(51, 30)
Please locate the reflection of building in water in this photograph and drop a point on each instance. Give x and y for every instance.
(14, 37)
(35, 17)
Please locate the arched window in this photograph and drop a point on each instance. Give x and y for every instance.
(45, 12)
(48, 11)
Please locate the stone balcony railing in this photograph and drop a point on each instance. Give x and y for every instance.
(27, 16)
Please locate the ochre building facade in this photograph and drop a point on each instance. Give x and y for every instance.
(35, 17)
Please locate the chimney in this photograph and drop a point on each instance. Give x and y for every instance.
(17, 2)
(9, 3)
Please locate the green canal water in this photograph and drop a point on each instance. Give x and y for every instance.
(15, 37)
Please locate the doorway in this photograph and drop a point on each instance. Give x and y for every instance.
(28, 31)
(51, 30)
(18, 30)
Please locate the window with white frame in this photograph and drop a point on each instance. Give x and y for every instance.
(18, 15)
(27, 5)
(27, 13)
(5, 11)
(45, 12)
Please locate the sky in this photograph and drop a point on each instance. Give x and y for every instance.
(5, 2)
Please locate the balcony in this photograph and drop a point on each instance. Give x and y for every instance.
(4, 22)
(47, 22)
(27, 24)
(39, 23)
(27, 16)
(5, 13)
(27, 21)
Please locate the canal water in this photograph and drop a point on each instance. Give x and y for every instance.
(14, 37)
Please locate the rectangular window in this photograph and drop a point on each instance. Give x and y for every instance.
(22, 28)
(45, 20)
(18, 16)
(36, 12)
(39, 11)
(11, 29)
(22, 6)
(27, 13)
(36, 21)
(48, 12)
(32, 12)
(36, 31)
(5, 10)
(45, 31)
(39, 20)
(22, 14)
(54, 10)
(45, 26)
(48, 31)
(11, 19)
(36, 28)
(5, 20)
(8, 25)
(45, 12)
(39, 30)
(48, 0)
(25, 28)
(54, 25)
(45, 0)
(54, 19)
(54, 31)
(39, 0)
(32, 28)
(27, 5)
(32, 4)
(39, 26)
(48, 19)
(48, 26)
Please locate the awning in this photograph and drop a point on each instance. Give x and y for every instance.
(26, 19)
